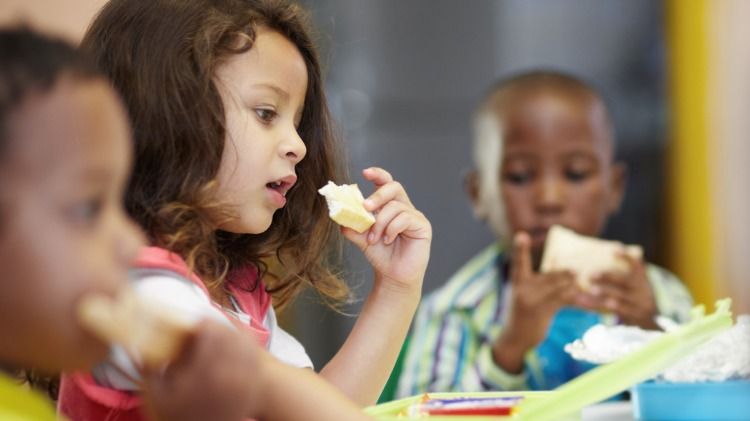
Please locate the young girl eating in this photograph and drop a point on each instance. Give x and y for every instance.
(233, 138)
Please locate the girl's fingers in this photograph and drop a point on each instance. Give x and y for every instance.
(377, 176)
(359, 240)
(402, 224)
(386, 189)
(392, 191)
(384, 218)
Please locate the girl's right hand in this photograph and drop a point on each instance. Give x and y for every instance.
(535, 299)
(215, 377)
(398, 248)
(398, 244)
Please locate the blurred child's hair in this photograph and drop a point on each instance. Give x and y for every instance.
(487, 146)
(162, 56)
(32, 63)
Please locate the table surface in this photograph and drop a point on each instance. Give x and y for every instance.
(609, 411)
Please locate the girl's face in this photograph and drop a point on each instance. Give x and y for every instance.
(63, 230)
(263, 91)
(557, 165)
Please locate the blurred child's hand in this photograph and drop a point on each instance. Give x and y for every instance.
(628, 295)
(398, 244)
(535, 299)
(215, 377)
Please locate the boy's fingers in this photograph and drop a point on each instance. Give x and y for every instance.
(521, 260)
(626, 312)
(552, 291)
(611, 297)
(569, 295)
(612, 279)
(565, 287)
(562, 278)
(633, 262)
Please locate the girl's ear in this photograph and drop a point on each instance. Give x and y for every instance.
(471, 187)
(618, 181)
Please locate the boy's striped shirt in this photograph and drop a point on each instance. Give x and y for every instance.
(451, 345)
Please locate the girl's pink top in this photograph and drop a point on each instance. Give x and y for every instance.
(81, 399)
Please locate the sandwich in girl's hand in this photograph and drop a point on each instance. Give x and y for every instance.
(345, 206)
(585, 256)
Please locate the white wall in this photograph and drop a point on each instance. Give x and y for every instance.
(730, 140)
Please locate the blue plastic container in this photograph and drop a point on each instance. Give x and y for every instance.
(726, 401)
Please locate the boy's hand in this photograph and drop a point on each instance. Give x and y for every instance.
(215, 377)
(535, 299)
(398, 244)
(628, 295)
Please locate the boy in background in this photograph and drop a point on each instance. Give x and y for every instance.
(544, 155)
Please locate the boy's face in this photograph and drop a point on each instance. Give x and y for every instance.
(63, 231)
(556, 164)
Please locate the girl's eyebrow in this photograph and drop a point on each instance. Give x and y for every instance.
(280, 92)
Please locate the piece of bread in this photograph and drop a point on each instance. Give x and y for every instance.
(585, 256)
(149, 331)
(345, 206)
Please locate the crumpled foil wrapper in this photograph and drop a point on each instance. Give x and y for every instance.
(724, 357)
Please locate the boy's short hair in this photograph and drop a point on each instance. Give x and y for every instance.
(549, 79)
(30, 61)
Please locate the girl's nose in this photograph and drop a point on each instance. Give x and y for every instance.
(293, 148)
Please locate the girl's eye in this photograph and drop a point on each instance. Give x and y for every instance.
(86, 212)
(265, 115)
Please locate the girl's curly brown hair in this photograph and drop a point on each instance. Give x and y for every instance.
(161, 56)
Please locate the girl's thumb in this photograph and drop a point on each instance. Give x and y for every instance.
(359, 240)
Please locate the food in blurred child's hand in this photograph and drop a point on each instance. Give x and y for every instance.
(345, 206)
(143, 326)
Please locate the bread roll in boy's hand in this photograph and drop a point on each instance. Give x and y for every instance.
(585, 256)
(345, 206)
(145, 328)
